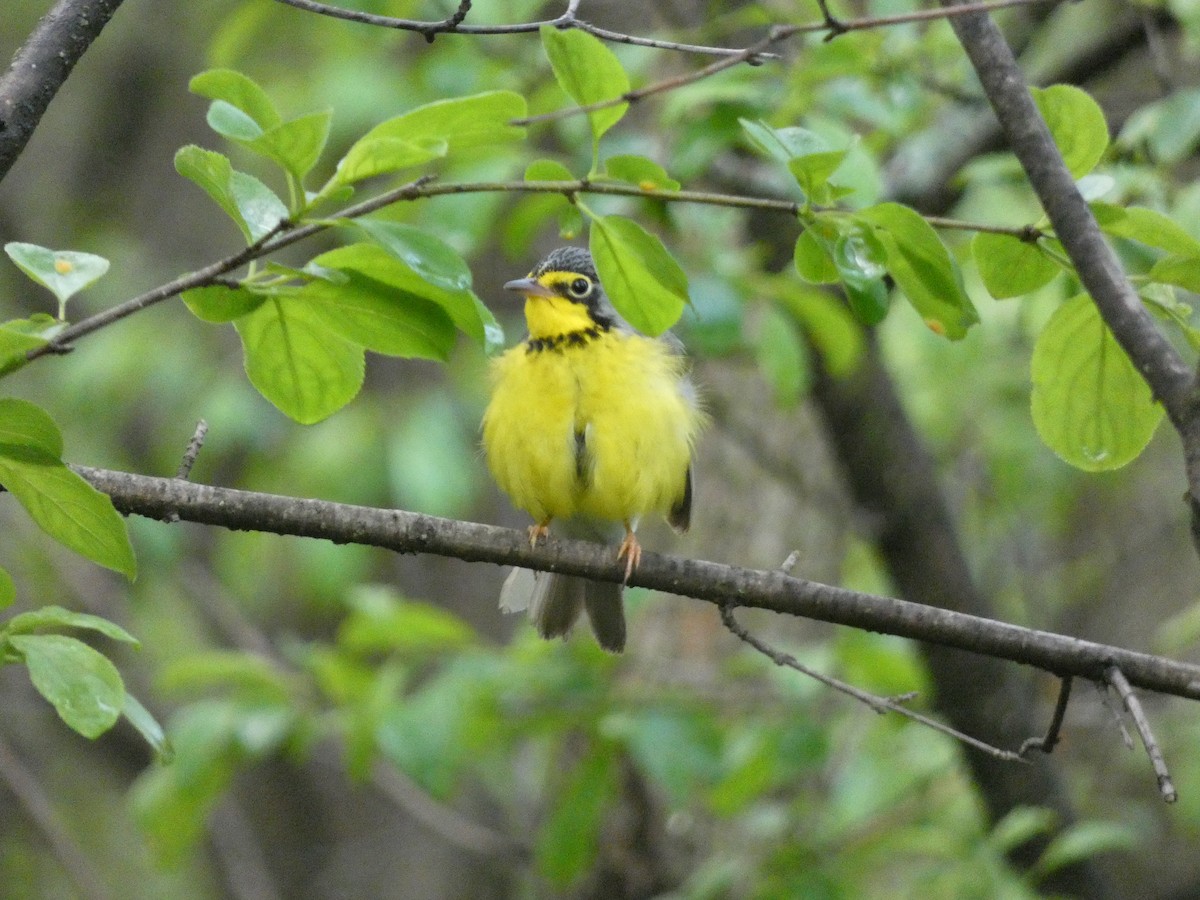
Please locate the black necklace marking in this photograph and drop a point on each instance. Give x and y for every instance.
(557, 343)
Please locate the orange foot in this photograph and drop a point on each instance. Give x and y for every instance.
(538, 532)
(630, 551)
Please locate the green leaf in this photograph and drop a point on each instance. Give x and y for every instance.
(1010, 266)
(221, 303)
(84, 687)
(640, 276)
(445, 127)
(1146, 226)
(296, 363)
(378, 316)
(1083, 841)
(1183, 272)
(783, 144)
(382, 624)
(1077, 124)
(210, 670)
(548, 170)
(148, 727)
(425, 255)
(238, 91)
(19, 336)
(252, 205)
(1020, 825)
(296, 145)
(568, 841)
(923, 269)
(418, 267)
(807, 155)
(645, 173)
(782, 357)
(230, 122)
(1089, 403)
(8, 590)
(56, 617)
(812, 173)
(828, 324)
(63, 272)
(814, 259)
(859, 257)
(589, 73)
(383, 155)
(64, 505)
(22, 423)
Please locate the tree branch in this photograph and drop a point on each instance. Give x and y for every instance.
(406, 532)
(1120, 684)
(454, 25)
(876, 703)
(1169, 376)
(41, 67)
(287, 233)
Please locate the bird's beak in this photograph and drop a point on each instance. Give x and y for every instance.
(530, 288)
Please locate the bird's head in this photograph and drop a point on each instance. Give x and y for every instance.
(564, 295)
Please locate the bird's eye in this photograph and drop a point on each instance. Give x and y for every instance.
(580, 287)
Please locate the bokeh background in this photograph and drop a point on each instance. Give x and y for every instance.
(353, 723)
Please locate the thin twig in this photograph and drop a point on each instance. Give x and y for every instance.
(286, 233)
(877, 704)
(192, 451)
(1113, 710)
(1050, 741)
(1116, 678)
(453, 25)
(33, 800)
(777, 34)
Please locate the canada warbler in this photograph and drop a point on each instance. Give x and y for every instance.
(590, 425)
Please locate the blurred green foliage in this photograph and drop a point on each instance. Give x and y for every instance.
(259, 648)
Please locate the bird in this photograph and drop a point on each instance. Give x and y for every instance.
(590, 425)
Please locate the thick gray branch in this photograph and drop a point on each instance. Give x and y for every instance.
(1169, 376)
(406, 532)
(42, 65)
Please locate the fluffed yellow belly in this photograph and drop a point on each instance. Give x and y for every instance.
(602, 430)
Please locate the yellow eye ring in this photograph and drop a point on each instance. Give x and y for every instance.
(580, 287)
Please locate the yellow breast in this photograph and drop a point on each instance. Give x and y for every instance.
(619, 399)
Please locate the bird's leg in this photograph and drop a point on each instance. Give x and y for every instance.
(538, 531)
(630, 551)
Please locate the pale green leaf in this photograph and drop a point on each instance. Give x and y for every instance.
(221, 303)
(639, 170)
(1009, 266)
(589, 73)
(24, 424)
(1089, 403)
(295, 362)
(56, 617)
(63, 272)
(641, 278)
(923, 269)
(240, 92)
(1077, 124)
(84, 687)
(66, 507)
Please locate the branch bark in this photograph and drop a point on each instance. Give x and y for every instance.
(41, 67)
(406, 532)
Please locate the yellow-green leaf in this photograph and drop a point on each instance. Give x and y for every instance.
(1089, 403)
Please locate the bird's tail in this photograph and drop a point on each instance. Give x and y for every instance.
(554, 602)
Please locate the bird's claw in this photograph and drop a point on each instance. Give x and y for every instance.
(538, 532)
(630, 551)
